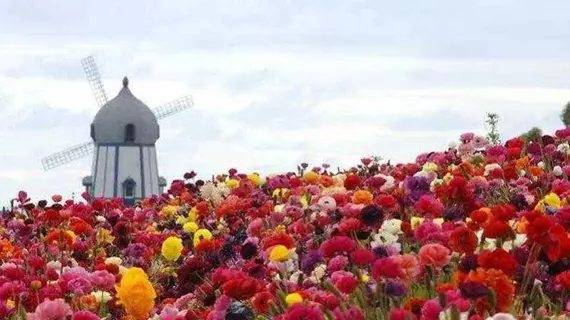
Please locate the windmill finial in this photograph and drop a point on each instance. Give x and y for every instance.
(125, 82)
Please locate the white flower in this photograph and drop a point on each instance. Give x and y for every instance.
(490, 167)
(114, 260)
(502, 316)
(101, 296)
(445, 315)
(319, 272)
(393, 226)
(421, 174)
(564, 147)
(100, 218)
(382, 238)
(557, 171)
(541, 165)
(327, 203)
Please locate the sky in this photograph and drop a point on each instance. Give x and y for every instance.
(276, 83)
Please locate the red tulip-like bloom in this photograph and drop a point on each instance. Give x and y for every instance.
(463, 240)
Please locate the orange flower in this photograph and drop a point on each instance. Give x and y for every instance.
(536, 171)
(326, 181)
(362, 197)
(7, 250)
(497, 280)
(311, 177)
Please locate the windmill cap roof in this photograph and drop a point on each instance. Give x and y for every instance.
(111, 120)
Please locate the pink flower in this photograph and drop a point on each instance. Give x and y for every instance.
(434, 254)
(51, 310)
(102, 279)
(337, 263)
(385, 268)
(409, 266)
(85, 315)
(431, 310)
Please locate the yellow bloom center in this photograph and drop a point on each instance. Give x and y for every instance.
(201, 234)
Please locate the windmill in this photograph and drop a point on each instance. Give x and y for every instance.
(123, 133)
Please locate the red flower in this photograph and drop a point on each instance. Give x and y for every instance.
(564, 279)
(261, 301)
(278, 239)
(428, 205)
(463, 240)
(346, 284)
(242, 288)
(385, 268)
(352, 181)
(498, 259)
(385, 201)
(504, 212)
(497, 229)
(361, 256)
(337, 245)
(349, 225)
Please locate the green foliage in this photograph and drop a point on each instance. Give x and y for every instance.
(565, 115)
(492, 122)
(533, 134)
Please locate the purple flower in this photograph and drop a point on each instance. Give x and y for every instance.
(395, 288)
(474, 290)
(310, 261)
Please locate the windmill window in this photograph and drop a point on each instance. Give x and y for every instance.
(130, 133)
(129, 188)
(92, 131)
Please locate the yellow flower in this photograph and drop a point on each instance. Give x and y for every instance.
(169, 210)
(447, 178)
(280, 253)
(279, 208)
(190, 227)
(293, 298)
(552, 200)
(10, 303)
(172, 248)
(429, 166)
(136, 293)
(72, 234)
(180, 220)
(201, 234)
(416, 222)
(193, 214)
(232, 183)
(104, 236)
(364, 278)
(438, 221)
(256, 179)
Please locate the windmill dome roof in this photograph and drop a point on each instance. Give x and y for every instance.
(111, 121)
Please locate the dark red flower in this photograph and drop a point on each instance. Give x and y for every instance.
(352, 181)
(262, 301)
(497, 229)
(386, 201)
(504, 212)
(361, 256)
(242, 288)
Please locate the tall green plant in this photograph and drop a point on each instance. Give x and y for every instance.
(492, 123)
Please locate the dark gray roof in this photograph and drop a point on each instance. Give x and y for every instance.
(110, 121)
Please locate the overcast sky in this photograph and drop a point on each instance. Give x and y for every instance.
(276, 83)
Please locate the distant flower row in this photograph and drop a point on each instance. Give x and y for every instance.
(479, 231)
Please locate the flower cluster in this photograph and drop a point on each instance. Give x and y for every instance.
(479, 231)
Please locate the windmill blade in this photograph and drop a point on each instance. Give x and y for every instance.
(67, 155)
(173, 107)
(94, 79)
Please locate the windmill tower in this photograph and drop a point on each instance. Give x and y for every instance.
(124, 133)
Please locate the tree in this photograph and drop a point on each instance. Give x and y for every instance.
(565, 115)
(492, 128)
(533, 134)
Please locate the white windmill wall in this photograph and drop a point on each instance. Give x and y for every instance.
(116, 163)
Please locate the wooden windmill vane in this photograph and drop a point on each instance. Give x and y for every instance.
(123, 132)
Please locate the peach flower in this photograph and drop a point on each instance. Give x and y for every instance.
(435, 255)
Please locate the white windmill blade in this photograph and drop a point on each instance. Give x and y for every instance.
(173, 107)
(94, 79)
(68, 155)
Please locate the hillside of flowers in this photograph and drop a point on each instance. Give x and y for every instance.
(480, 231)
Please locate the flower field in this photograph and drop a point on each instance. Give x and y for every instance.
(480, 231)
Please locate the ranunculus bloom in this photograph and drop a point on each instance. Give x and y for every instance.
(463, 240)
(434, 255)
